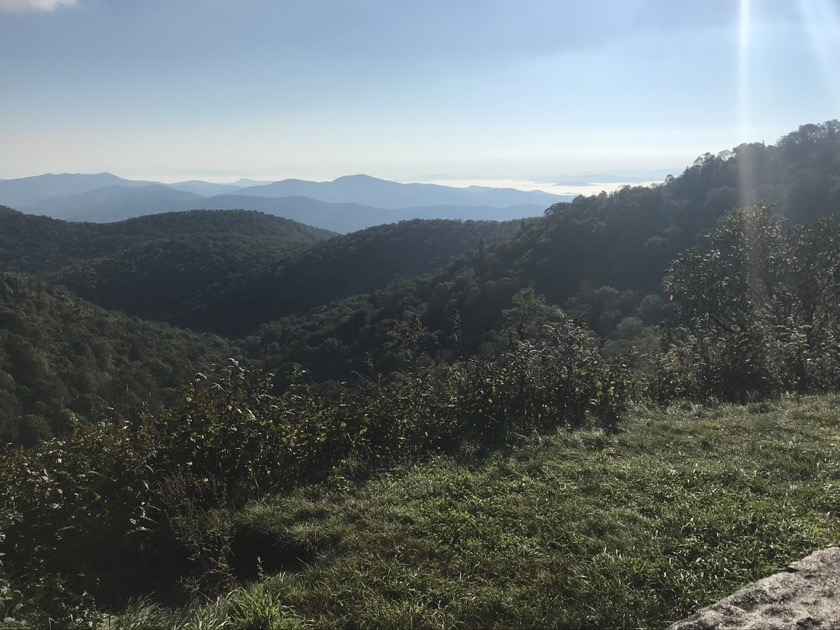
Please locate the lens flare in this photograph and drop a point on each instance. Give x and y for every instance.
(745, 159)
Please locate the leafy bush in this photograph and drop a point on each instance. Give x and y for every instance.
(75, 516)
(759, 311)
(127, 508)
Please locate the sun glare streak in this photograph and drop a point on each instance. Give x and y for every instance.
(746, 179)
(822, 19)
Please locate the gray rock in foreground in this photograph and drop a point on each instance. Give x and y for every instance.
(806, 596)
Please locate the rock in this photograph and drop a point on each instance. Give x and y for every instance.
(805, 596)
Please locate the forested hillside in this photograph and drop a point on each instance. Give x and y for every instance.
(231, 283)
(229, 271)
(63, 359)
(207, 270)
(36, 244)
(602, 257)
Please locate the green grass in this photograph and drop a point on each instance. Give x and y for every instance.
(580, 529)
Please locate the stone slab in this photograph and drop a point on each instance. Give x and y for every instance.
(806, 596)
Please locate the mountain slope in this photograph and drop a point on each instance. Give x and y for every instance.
(231, 286)
(61, 356)
(215, 222)
(228, 271)
(37, 244)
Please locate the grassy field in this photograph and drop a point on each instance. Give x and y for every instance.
(574, 530)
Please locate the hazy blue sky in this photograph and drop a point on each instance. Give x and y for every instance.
(505, 89)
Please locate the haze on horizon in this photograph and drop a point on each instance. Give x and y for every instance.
(530, 92)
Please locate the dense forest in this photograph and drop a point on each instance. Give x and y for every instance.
(231, 283)
(602, 258)
(40, 245)
(138, 452)
(64, 360)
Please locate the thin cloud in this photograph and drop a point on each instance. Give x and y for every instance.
(22, 6)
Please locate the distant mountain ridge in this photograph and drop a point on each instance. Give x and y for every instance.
(26, 191)
(116, 203)
(346, 204)
(381, 193)
(352, 217)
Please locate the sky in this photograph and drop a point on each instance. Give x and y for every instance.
(530, 93)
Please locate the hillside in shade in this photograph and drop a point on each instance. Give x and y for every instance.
(62, 358)
(37, 244)
(230, 271)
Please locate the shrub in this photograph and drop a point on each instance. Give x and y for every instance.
(758, 312)
(122, 508)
